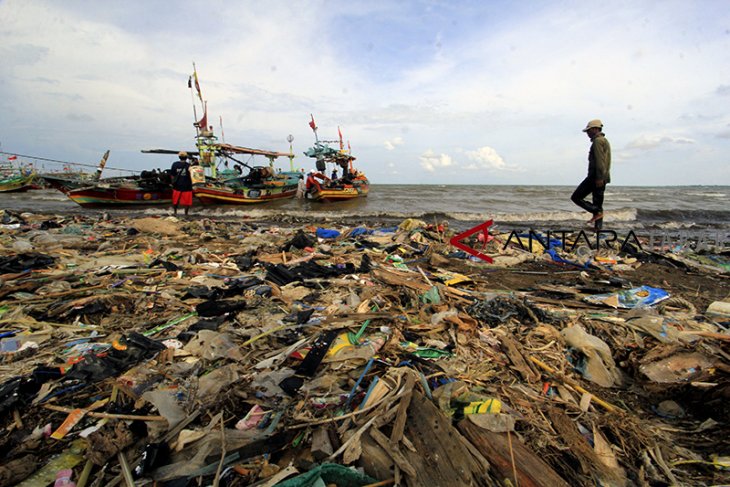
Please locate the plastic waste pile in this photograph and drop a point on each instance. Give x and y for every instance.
(239, 352)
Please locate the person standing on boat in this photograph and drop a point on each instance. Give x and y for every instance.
(334, 174)
(301, 187)
(182, 184)
(599, 174)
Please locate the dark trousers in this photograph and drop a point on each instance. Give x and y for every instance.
(586, 187)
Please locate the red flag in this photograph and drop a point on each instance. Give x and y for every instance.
(342, 145)
(202, 124)
(12, 158)
(312, 124)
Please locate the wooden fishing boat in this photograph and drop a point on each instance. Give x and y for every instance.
(215, 183)
(340, 190)
(353, 184)
(262, 183)
(122, 192)
(247, 190)
(16, 183)
(16, 179)
(68, 180)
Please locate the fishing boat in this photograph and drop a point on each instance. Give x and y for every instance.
(16, 179)
(260, 185)
(352, 184)
(91, 191)
(215, 183)
(149, 188)
(68, 180)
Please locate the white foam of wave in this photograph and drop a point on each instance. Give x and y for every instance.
(38, 195)
(674, 225)
(621, 215)
(244, 213)
(707, 195)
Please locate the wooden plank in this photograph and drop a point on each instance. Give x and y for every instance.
(400, 419)
(441, 458)
(393, 452)
(513, 349)
(532, 471)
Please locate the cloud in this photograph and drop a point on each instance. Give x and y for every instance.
(431, 161)
(650, 142)
(420, 71)
(725, 134)
(393, 143)
(486, 158)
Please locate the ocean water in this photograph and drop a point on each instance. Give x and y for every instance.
(539, 207)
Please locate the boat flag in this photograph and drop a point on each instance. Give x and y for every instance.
(202, 124)
(12, 158)
(194, 78)
(342, 145)
(312, 124)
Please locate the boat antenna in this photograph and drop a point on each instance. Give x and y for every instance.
(290, 139)
(223, 134)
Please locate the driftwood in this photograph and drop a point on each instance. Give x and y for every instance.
(440, 457)
(499, 449)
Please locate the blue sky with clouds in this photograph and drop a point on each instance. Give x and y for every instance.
(427, 92)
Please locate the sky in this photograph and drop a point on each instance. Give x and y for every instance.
(426, 92)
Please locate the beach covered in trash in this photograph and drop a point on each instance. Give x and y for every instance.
(242, 352)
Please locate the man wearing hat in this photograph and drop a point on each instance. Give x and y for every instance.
(599, 173)
(182, 183)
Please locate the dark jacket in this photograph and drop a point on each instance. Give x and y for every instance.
(599, 158)
(180, 172)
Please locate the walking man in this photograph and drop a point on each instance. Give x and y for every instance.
(182, 183)
(599, 174)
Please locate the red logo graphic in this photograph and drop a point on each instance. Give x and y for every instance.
(482, 227)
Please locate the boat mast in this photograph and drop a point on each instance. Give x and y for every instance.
(102, 163)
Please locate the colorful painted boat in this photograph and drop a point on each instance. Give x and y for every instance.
(214, 186)
(338, 190)
(261, 185)
(353, 184)
(126, 193)
(16, 178)
(16, 183)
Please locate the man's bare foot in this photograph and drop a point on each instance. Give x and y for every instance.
(597, 216)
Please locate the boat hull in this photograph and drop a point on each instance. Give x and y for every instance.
(16, 185)
(240, 191)
(99, 197)
(346, 192)
(227, 196)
